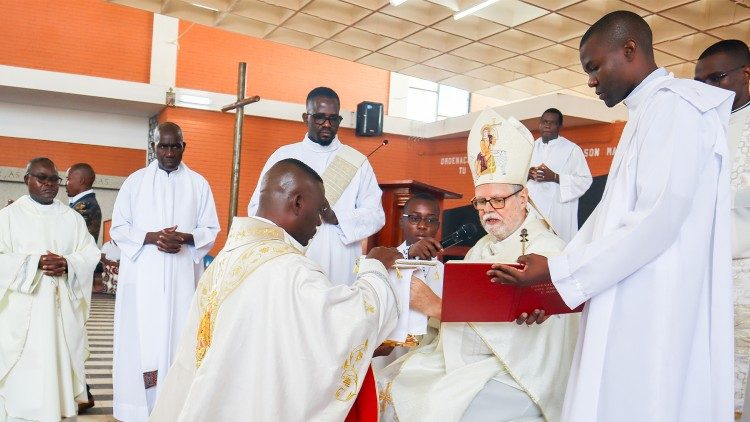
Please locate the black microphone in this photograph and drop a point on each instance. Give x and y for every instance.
(384, 143)
(464, 233)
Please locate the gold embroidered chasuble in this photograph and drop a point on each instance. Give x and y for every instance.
(269, 336)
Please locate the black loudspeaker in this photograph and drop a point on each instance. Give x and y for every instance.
(369, 119)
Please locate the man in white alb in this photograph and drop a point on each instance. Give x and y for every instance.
(490, 372)
(653, 262)
(269, 337)
(355, 211)
(558, 175)
(47, 261)
(164, 222)
(726, 64)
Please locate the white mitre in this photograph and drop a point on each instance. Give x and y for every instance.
(499, 150)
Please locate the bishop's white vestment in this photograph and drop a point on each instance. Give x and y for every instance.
(653, 264)
(559, 201)
(739, 154)
(358, 209)
(154, 288)
(43, 342)
(441, 380)
(269, 338)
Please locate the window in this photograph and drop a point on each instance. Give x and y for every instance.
(425, 101)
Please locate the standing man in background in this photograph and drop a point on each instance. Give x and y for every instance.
(354, 211)
(558, 175)
(164, 222)
(726, 64)
(82, 199)
(47, 260)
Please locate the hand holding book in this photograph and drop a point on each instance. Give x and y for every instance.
(534, 270)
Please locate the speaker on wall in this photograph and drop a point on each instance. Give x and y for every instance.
(369, 119)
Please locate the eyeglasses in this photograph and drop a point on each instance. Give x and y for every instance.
(414, 220)
(716, 78)
(320, 118)
(52, 179)
(495, 203)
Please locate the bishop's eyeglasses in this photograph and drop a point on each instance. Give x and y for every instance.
(495, 202)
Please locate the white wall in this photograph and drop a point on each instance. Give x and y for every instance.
(76, 126)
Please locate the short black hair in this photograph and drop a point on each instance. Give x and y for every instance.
(422, 196)
(620, 25)
(321, 91)
(302, 166)
(88, 171)
(39, 160)
(734, 48)
(555, 111)
(85, 167)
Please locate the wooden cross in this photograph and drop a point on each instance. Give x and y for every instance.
(239, 105)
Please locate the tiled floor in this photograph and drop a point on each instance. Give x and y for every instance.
(99, 365)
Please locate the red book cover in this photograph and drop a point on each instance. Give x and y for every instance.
(470, 296)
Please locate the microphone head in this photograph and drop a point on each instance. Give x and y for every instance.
(385, 142)
(464, 233)
(467, 231)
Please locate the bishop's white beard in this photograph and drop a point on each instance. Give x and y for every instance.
(503, 227)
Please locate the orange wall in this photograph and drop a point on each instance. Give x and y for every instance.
(208, 58)
(86, 37)
(105, 160)
(209, 137)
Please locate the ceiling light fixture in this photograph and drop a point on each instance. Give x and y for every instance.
(397, 2)
(194, 99)
(205, 7)
(473, 9)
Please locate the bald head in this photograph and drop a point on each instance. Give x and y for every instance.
(616, 28)
(292, 196)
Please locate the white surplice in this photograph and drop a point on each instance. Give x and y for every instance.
(287, 345)
(359, 210)
(440, 380)
(43, 343)
(559, 201)
(739, 154)
(653, 262)
(154, 289)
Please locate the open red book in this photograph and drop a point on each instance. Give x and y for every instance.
(470, 296)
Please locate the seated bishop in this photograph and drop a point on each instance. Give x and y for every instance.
(490, 371)
(268, 336)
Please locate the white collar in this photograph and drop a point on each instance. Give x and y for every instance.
(316, 147)
(633, 99)
(75, 199)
